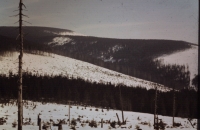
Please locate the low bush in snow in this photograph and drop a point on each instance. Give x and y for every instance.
(177, 124)
(93, 123)
(137, 127)
(113, 124)
(73, 122)
(2, 121)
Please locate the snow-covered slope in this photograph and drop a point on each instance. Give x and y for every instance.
(83, 115)
(60, 40)
(64, 33)
(187, 57)
(55, 65)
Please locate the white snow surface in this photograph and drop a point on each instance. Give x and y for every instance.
(115, 48)
(187, 57)
(60, 40)
(57, 112)
(65, 33)
(56, 65)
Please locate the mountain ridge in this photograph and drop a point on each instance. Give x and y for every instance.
(67, 30)
(127, 56)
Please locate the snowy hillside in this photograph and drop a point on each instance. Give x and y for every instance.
(82, 116)
(187, 57)
(55, 65)
(64, 33)
(60, 40)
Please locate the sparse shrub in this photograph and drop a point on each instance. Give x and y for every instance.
(113, 124)
(107, 121)
(93, 123)
(137, 127)
(73, 122)
(96, 109)
(82, 124)
(86, 121)
(2, 121)
(149, 124)
(45, 126)
(162, 125)
(130, 127)
(177, 124)
(73, 127)
(78, 119)
(14, 124)
(144, 123)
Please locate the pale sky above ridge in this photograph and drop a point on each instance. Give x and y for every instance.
(126, 19)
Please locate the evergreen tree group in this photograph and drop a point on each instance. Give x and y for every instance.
(61, 89)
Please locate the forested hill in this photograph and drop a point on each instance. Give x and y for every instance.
(61, 89)
(134, 57)
(67, 42)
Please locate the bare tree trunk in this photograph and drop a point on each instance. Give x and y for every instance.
(69, 114)
(155, 112)
(117, 117)
(20, 105)
(101, 123)
(173, 106)
(121, 105)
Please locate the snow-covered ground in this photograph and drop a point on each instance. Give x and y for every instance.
(65, 33)
(60, 40)
(57, 112)
(56, 64)
(187, 57)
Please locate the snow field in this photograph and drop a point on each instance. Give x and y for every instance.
(187, 57)
(57, 112)
(56, 65)
(60, 40)
(64, 33)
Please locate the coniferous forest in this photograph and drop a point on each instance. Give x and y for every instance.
(137, 55)
(61, 89)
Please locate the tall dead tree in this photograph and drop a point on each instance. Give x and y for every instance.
(174, 99)
(155, 110)
(20, 105)
(121, 102)
(21, 37)
(69, 112)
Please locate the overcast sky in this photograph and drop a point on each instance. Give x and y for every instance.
(127, 19)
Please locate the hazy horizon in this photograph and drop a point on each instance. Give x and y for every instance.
(130, 19)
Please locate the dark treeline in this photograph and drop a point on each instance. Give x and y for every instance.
(61, 89)
(9, 45)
